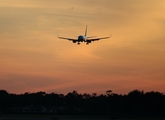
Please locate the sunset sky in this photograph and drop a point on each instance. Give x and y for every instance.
(33, 59)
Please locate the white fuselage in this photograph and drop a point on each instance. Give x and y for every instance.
(82, 38)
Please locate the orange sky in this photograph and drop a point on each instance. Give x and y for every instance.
(33, 59)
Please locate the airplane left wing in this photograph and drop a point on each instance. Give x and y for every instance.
(96, 39)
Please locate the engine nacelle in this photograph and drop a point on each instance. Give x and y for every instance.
(88, 41)
(74, 41)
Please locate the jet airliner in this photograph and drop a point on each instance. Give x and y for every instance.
(84, 38)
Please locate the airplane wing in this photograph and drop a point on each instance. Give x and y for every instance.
(96, 39)
(71, 39)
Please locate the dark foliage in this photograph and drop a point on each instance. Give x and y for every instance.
(135, 103)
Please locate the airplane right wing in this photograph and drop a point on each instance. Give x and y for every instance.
(70, 39)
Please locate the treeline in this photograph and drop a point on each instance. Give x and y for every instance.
(135, 102)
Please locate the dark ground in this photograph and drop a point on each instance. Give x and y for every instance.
(68, 117)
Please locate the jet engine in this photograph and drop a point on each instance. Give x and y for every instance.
(88, 41)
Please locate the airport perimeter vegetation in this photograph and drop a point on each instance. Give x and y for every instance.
(136, 104)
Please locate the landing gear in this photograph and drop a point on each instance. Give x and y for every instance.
(78, 43)
(87, 43)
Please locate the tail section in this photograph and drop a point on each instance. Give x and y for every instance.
(86, 31)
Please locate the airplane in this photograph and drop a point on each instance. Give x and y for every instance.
(84, 38)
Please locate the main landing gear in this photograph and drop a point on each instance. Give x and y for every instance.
(86, 43)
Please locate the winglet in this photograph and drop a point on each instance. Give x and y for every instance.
(110, 35)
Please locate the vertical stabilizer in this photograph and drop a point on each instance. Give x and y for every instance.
(86, 31)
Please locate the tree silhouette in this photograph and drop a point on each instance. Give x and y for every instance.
(135, 103)
(108, 92)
